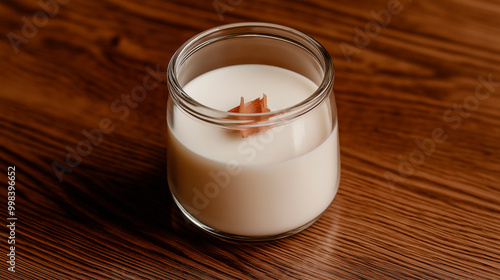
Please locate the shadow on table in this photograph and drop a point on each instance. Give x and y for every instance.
(136, 202)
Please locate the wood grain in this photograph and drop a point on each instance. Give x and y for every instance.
(112, 216)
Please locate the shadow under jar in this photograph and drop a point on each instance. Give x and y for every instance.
(272, 183)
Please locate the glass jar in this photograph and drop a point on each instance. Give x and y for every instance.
(258, 175)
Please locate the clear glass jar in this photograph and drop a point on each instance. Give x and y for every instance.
(280, 179)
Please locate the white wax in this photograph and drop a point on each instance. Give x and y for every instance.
(268, 183)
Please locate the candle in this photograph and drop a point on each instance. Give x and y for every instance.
(262, 185)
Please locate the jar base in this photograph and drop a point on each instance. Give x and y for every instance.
(235, 238)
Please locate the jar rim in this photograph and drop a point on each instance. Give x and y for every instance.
(224, 118)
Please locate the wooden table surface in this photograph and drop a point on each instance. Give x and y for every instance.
(417, 85)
